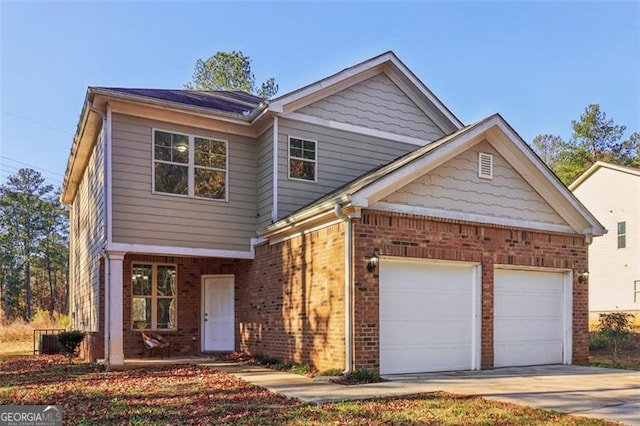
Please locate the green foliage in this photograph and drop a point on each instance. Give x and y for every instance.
(41, 316)
(70, 343)
(33, 246)
(615, 328)
(595, 138)
(64, 321)
(267, 361)
(229, 71)
(302, 369)
(597, 341)
(331, 372)
(361, 376)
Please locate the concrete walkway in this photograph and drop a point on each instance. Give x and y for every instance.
(584, 391)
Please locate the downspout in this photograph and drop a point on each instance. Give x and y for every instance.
(274, 206)
(348, 296)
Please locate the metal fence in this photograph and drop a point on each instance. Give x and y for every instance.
(45, 340)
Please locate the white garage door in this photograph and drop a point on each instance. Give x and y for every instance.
(529, 318)
(427, 313)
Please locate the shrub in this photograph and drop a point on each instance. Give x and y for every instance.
(267, 361)
(361, 376)
(331, 372)
(301, 369)
(597, 341)
(70, 343)
(615, 328)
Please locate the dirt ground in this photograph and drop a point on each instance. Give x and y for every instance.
(629, 357)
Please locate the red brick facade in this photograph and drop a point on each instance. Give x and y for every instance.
(418, 237)
(289, 300)
(290, 304)
(185, 340)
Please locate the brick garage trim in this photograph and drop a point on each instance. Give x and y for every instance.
(404, 235)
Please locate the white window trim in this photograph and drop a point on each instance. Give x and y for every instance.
(154, 296)
(190, 165)
(636, 291)
(315, 160)
(618, 235)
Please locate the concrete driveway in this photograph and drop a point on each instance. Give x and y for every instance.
(584, 391)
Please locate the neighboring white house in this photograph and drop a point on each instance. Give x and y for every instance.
(612, 194)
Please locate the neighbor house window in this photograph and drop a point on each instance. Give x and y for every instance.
(189, 165)
(636, 291)
(622, 234)
(153, 301)
(302, 159)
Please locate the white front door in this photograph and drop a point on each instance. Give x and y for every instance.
(218, 313)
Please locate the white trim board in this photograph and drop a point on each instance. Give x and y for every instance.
(180, 251)
(470, 217)
(309, 119)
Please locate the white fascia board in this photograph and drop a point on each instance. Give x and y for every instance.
(179, 251)
(598, 165)
(304, 118)
(286, 237)
(597, 228)
(470, 217)
(277, 105)
(409, 172)
(305, 217)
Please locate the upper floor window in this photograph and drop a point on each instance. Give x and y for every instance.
(622, 234)
(153, 301)
(302, 159)
(636, 291)
(189, 165)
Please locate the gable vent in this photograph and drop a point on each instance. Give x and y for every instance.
(485, 165)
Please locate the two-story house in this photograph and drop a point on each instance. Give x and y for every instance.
(352, 223)
(612, 194)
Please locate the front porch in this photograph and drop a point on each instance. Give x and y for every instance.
(134, 363)
(189, 301)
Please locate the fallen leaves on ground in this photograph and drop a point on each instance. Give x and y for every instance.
(201, 395)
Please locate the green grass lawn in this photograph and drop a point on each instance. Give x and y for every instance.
(201, 395)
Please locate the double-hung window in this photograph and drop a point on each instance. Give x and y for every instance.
(188, 165)
(153, 299)
(302, 159)
(636, 291)
(622, 235)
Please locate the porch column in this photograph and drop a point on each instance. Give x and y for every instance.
(113, 309)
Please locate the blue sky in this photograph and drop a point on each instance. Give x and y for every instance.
(539, 64)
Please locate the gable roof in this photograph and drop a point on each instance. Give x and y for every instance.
(388, 63)
(380, 182)
(599, 165)
(242, 108)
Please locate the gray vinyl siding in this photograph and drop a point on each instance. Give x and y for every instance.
(376, 103)
(265, 178)
(141, 217)
(341, 157)
(87, 236)
(455, 186)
